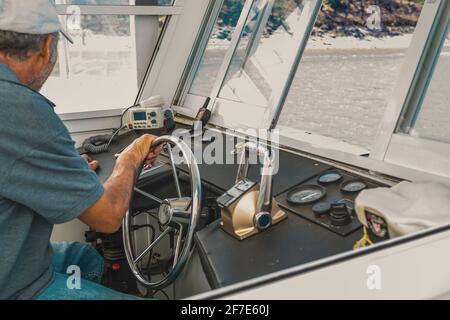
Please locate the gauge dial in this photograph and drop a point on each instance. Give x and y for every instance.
(353, 186)
(329, 177)
(322, 208)
(306, 194)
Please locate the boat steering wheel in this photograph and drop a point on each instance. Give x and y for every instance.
(178, 215)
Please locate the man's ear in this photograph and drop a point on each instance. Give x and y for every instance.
(46, 50)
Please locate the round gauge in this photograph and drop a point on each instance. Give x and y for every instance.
(306, 194)
(322, 208)
(353, 186)
(329, 177)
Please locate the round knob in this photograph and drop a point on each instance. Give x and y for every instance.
(263, 220)
(340, 215)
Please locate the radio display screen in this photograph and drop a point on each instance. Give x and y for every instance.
(140, 116)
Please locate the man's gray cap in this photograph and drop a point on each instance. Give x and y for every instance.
(31, 16)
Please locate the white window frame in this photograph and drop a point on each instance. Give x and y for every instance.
(137, 12)
(224, 110)
(175, 50)
(402, 149)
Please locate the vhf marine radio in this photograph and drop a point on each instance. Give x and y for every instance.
(150, 115)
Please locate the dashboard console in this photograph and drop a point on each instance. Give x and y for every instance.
(318, 224)
(327, 199)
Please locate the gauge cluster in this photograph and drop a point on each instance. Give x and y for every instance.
(328, 200)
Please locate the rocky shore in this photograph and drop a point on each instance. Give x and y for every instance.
(337, 18)
(358, 18)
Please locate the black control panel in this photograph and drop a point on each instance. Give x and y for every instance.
(237, 191)
(328, 200)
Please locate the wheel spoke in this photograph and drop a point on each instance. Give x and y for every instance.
(174, 170)
(178, 245)
(148, 195)
(151, 246)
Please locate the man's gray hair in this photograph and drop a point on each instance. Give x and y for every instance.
(22, 45)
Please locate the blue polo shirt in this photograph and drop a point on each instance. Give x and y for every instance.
(43, 181)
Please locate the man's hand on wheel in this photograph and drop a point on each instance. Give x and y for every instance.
(142, 150)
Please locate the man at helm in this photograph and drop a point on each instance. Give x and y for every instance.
(43, 179)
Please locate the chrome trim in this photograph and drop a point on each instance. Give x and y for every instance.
(148, 195)
(174, 171)
(196, 189)
(177, 248)
(264, 202)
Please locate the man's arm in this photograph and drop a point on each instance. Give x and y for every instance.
(107, 213)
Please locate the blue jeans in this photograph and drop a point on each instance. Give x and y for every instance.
(90, 265)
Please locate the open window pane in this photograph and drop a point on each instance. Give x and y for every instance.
(217, 47)
(99, 70)
(265, 52)
(349, 69)
(433, 118)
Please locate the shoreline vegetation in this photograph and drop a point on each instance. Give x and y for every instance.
(341, 24)
(336, 17)
(351, 18)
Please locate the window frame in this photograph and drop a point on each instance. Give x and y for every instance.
(177, 46)
(381, 160)
(181, 47)
(392, 155)
(188, 104)
(209, 21)
(137, 11)
(402, 149)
